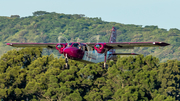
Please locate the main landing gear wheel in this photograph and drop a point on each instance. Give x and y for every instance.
(66, 66)
(104, 66)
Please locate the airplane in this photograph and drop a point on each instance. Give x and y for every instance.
(92, 52)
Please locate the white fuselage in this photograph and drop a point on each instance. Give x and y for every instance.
(93, 56)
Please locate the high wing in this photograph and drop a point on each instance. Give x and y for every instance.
(130, 45)
(114, 45)
(43, 45)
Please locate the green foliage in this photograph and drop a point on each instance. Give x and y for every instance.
(38, 13)
(26, 74)
(46, 27)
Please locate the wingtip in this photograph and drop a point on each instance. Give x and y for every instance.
(168, 44)
(165, 44)
(8, 44)
(162, 43)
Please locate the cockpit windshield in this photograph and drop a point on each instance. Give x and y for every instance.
(78, 45)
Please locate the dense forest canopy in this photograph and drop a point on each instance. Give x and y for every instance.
(27, 75)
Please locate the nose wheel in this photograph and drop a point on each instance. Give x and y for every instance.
(66, 66)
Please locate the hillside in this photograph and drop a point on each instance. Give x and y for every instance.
(46, 27)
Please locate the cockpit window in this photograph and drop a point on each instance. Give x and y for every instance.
(75, 45)
(69, 44)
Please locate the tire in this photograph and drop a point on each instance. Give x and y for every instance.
(106, 66)
(66, 67)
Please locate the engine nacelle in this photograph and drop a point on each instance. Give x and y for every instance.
(100, 47)
(60, 47)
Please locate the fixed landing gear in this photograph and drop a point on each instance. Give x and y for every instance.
(66, 66)
(105, 65)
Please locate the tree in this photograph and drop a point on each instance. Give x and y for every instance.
(38, 13)
(26, 74)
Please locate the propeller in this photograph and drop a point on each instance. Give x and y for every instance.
(93, 39)
(62, 39)
(48, 51)
(78, 40)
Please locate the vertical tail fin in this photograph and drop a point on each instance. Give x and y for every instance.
(111, 40)
(113, 35)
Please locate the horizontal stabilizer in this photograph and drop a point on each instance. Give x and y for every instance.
(124, 54)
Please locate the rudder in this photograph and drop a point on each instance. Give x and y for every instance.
(113, 35)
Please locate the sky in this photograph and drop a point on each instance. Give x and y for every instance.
(162, 13)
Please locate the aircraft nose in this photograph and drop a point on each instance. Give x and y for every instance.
(73, 52)
(68, 51)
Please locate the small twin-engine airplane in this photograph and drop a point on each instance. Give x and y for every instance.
(92, 52)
